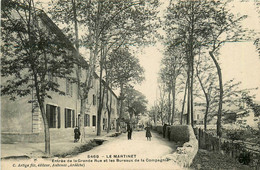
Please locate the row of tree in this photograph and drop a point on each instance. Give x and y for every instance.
(195, 31)
(107, 30)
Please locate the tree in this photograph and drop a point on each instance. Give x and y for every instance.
(31, 53)
(162, 107)
(108, 24)
(207, 79)
(153, 114)
(171, 68)
(223, 26)
(184, 23)
(135, 102)
(124, 69)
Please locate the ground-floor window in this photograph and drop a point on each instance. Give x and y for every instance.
(53, 116)
(69, 118)
(93, 120)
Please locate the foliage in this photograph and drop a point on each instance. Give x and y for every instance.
(235, 135)
(124, 68)
(135, 101)
(28, 53)
(34, 55)
(251, 104)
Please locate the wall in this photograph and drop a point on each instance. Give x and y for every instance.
(16, 116)
(183, 135)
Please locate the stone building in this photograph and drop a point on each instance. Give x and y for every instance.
(21, 119)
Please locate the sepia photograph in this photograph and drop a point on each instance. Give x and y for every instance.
(130, 84)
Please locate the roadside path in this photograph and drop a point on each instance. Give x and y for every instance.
(138, 153)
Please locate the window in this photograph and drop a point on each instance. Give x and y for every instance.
(53, 116)
(69, 118)
(87, 120)
(94, 120)
(68, 87)
(198, 116)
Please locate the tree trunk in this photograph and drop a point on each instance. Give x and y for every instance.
(173, 100)
(99, 120)
(46, 129)
(169, 103)
(121, 108)
(108, 123)
(131, 116)
(192, 64)
(81, 119)
(191, 94)
(206, 116)
(183, 104)
(219, 132)
(101, 96)
(109, 110)
(207, 100)
(188, 100)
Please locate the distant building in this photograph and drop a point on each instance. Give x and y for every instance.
(21, 119)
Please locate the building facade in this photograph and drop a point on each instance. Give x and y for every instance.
(21, 119)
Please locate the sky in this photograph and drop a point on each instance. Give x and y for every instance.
(238, 60)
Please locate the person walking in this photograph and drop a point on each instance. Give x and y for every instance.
(76, 134)
(148, 133)
(129, 131)
(164, 129)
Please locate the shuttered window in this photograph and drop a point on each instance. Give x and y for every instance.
(53, 116)
(69, 118)
(86, 120)
(94, 120)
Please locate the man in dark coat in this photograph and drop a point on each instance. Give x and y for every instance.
(148, 133)
(129, 131)
(76, 134)
(164, 129)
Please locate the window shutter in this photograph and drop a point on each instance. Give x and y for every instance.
(54, 118)
(73, 118)
(65, 115)
(48, 114)
(68, 118)
(58, 117)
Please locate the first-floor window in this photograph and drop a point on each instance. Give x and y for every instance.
(87, 120)
(69, 118)
(69, 87)
(53, 116)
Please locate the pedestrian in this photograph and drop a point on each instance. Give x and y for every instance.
(148, 132)
(129, 131)
(76, 134)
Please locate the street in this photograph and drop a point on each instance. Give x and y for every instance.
(138, 153)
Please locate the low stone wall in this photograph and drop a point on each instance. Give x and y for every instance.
(9, 138)
(184, 154)
(55, 134)
(179, 133)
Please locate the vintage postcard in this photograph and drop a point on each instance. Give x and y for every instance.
(119, 84)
